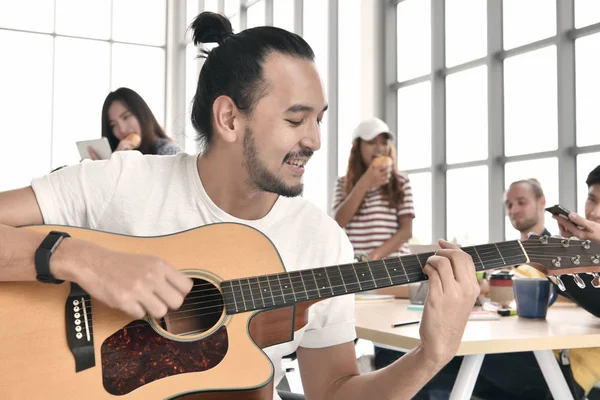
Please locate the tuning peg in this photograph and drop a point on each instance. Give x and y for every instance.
(544, 239)
(576, 260)
(587, 244)
(595, 259)
(595, 279)
(559, 283)
(578, 281)
(556, 262)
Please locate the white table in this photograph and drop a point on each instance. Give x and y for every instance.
(566, 326)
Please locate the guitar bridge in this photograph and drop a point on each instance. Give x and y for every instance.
(79, 329)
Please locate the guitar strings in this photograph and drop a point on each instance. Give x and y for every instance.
(272, 294)
(280, 293)
(221, 307)
(250, 289)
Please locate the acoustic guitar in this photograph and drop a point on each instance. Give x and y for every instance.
(58, 343)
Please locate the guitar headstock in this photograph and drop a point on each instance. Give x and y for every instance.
(556, 256)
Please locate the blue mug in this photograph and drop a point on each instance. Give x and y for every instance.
(533, 296)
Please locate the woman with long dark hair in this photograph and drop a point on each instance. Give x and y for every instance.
(129, 124)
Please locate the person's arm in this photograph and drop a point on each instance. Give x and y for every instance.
(332, 373)
(398, 239)
(405, 215)
(373, 177)
(134, 284)
(349, 206)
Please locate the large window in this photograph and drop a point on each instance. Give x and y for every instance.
(527, 21)
(283, 14)
(530, 111)
(315, 30)
(349, 76)
(256, 14)
(414, 39)
(588, 89)
(488, 97)
(466, 115)
(466, 37)
(70, 56)
(585, 164)
(467, 197)
(414, 126)
(421, 191)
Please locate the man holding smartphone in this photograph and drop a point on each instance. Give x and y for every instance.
(591, 223)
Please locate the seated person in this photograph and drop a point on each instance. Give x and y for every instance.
(129, 124)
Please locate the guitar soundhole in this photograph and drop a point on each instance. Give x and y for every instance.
(200, 311)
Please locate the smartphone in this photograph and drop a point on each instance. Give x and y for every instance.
(559, 211)
(100, 146)
(562, 212)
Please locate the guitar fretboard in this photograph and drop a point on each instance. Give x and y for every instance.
(287, 288)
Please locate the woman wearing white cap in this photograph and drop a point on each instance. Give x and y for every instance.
(373, 202)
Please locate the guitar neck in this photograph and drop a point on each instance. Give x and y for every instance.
(287, 288)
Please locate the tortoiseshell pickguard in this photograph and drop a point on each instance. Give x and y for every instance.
(137, 355)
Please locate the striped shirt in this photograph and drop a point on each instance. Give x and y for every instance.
(375, 221)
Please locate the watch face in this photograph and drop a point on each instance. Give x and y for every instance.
(43, 254)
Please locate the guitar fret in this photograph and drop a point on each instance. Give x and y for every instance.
(479, 256)
(350, 278)
(277, 293)
(370, 269)
(365, 278)
(380, 273)
(266, 291)
(227, 295)
(357, 280)
(251, 295)
(316, 283)
(237, 309)
(336, 282)
(404, 269)
(286, 291)
(328, 281)
(310, 283)
(292, 287)
(243, 297)
(342, 279)
(413, 267)
(323, 284)
(259, 292)
(299, 287)
(392, 269)
(498, 250)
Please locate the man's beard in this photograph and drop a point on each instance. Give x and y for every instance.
(260, 177)
(527, 225)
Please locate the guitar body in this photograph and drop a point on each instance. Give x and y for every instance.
(146, 360)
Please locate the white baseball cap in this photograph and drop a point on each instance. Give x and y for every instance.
(370, 129)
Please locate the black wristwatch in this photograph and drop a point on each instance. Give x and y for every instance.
(43, 254)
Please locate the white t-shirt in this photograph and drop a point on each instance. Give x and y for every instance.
(157, 195)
